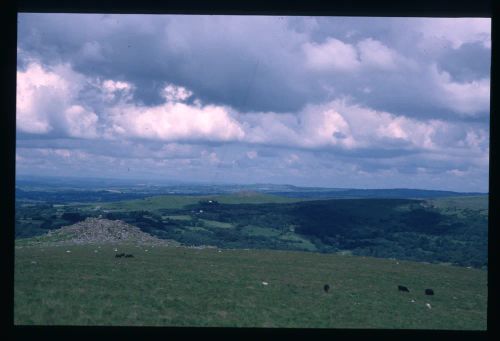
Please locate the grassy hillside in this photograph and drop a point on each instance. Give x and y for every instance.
(180, 201)
(177, 286)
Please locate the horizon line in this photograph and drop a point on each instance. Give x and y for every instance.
(205, 183)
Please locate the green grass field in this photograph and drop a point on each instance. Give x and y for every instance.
(179, 201)
(177, 286)
(216, 224)
(178, 217)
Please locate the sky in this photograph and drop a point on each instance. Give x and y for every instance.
(308, 101)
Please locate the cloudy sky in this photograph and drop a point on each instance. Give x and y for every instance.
(311, 101)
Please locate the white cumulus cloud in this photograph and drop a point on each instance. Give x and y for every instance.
(173, 93)
(366, 54)
(467, 98)
(45, 102)
(332, 54)
(174, 121)
(456, 31)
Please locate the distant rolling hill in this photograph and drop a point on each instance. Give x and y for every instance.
(180, 201)
(396, 193)
(60, 190)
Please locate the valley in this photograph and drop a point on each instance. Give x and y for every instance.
(438, 229)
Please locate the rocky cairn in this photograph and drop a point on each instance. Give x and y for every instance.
(102, 231)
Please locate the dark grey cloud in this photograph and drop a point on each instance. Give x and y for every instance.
(250, 63)
(221, 68)
(469, 61)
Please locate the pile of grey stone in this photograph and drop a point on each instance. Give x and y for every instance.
(103, 231)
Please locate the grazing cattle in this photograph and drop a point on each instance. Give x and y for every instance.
(119, 255)
(429, 292)
(129, 256)
(403, 288)
(326, 287)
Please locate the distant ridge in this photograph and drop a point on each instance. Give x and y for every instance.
(396, 193)
(86, 182)
(60, 190)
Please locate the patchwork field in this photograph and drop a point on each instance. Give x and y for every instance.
(180, 286)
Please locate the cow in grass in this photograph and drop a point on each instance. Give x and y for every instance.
(120, 255)
(403, 288)
(326, 287)
(429, 292)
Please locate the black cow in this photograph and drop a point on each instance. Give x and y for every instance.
(119, 255)
(326, 287)
(429, 292)
(129, 256)
(403, 288)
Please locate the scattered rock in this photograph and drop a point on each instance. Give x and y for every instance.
(265, 283)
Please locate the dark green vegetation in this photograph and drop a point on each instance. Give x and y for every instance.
(180, 286)
(444, 230)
